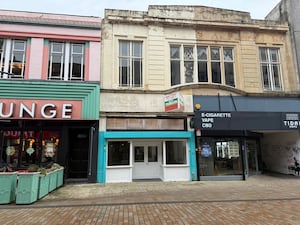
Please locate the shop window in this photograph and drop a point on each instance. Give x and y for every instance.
(130, 64)
(118, 153)
(270, 68)
(12, 58)
(66, 61)
(220, 157)
(176, 152)
(20, 149)
(191, 64)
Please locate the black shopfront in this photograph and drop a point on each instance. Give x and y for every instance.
(228, 138)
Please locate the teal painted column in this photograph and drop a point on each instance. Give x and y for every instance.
(101, 170)
(193, 160)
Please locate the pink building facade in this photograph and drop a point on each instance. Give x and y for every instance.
(49, 91)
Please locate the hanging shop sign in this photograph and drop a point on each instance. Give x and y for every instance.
(174, 103)
(40, 109)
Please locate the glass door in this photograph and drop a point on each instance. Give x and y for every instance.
(252, 159)
(146, 160)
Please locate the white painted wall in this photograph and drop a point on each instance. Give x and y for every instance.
(118, 174)
(176, 173)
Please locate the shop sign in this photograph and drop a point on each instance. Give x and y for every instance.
(291, 121)
(246, 121)
(41, 109)
(208, 118)
(174, 103)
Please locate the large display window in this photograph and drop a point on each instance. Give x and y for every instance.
(21, 148)
(219, 157)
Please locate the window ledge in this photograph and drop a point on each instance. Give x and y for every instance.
(175, 165)
(119, 167)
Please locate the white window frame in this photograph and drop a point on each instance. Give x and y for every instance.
(66, 59)
(7, 57)
(131, 58)
(208, 61)
(270, 73)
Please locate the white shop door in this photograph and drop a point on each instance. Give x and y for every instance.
(147, 158)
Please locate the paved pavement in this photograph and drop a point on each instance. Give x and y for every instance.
(262, 199)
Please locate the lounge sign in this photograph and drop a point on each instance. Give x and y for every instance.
(39, 109)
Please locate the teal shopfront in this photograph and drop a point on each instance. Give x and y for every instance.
(126, 156)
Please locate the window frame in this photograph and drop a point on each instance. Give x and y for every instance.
(66, 55)
(115, 165)
(269, 64)
(186, 157)
(130, 59)
(8, 53)
(207, 64)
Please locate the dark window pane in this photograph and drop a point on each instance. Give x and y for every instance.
(118, 153)
(152, 154)
(229, 74)
(175, 72)
(276, 72)
(56, 69)
(137, 73)
(216, 72)
(265, 73)
(175, 152)
(202, 72)
(139, 154)
(124, 72)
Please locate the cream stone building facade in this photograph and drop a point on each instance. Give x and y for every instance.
(190, 92)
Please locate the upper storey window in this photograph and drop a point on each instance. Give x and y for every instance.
(12, 58)
(191, 64)
(130, 64)
(66, 61)
(270, 68)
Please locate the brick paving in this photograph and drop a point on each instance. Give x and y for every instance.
(262, 199)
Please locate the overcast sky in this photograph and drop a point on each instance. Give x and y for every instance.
(257, 8)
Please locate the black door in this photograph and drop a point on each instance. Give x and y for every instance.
(78, 153)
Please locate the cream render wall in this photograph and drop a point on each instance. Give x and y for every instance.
(192, 25)
(138, 103)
